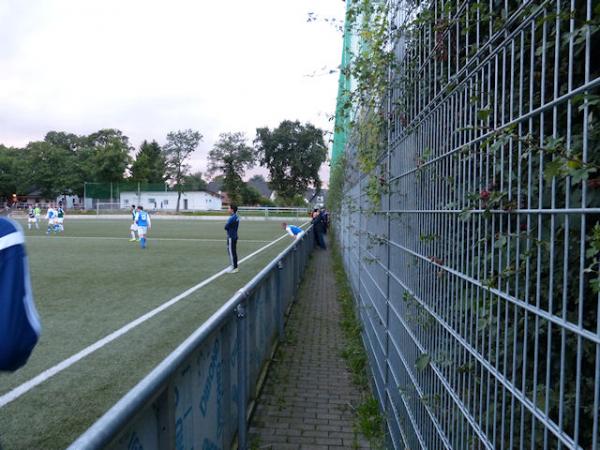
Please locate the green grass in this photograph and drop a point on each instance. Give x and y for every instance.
(88, 284)
(369, 420)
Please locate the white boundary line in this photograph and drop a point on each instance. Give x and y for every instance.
(48, 373)
(29, 236)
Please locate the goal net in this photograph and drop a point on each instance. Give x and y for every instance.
(109, 208)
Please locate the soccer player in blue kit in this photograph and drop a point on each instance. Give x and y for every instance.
(293, 230)
(19, 322)
(143, 222)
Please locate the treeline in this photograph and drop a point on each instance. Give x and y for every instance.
(60, 164)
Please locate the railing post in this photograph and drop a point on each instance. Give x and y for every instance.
(228, 382)
(165, 407)
(279, 300)
(242, 336)
(295, 259)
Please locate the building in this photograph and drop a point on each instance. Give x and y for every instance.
(314, 199)
(167, 201)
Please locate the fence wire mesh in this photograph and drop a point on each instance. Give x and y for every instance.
(476, 270)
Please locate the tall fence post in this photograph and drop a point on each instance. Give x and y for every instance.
(242, 336)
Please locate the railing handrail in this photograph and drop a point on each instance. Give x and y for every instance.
(122, 413)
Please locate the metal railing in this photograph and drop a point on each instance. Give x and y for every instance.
(201, 395)
(274, 211)
(476, 270)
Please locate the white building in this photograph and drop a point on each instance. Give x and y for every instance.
(167, 201)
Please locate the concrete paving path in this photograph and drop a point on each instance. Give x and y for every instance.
(308, 401)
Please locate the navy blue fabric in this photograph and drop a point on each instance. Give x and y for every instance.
(232, 226)
(17, 335)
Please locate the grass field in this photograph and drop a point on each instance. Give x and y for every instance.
(91, 281)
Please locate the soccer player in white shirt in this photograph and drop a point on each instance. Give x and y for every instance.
(31, 220)
(60, 219)
(133, 228)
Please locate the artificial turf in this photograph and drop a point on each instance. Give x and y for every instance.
(90, 281)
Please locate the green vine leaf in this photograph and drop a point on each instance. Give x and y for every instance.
(422, 361)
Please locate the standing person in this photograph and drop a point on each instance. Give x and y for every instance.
(143, 222)
(133, 227)
(317, 222)
(31, 218)
(38, 215)
(232, 237)
(60, 218)
(19, 322)
(325, 218)
(51, 216)
(293, 230)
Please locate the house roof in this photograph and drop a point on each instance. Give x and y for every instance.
(261, 185)
(214, 186)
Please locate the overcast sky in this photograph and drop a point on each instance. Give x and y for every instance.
(148, 67)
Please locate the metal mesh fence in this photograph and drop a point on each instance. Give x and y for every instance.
(476, 272)
(107, 193)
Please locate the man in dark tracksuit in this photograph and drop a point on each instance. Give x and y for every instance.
(317, 223)
(232, 236)
(19, 322)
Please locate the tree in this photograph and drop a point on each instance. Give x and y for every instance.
(110, 156)
(194, 182)
(51, 169)
(250, 195)
(230, 157)
(293, 154)
(82, 167)
(62, 139)
(14, 176)
(149, 165)
(180, 145)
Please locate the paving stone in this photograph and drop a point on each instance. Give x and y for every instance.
(308, 398)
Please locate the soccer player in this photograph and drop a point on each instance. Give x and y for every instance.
(51, 216)
(232, 237)
(293, 230)
(142, 220)
(19, 322)
(31, 220)
(60, 219)
(38, 214)
(133, 228)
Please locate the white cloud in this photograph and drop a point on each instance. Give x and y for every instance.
(148, 67)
